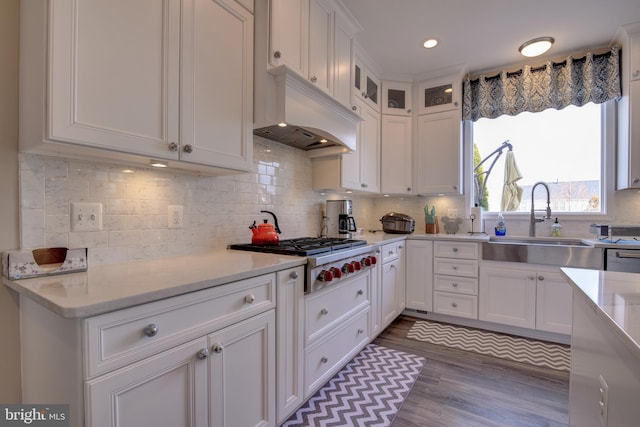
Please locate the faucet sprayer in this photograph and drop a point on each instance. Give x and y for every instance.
(532, 218)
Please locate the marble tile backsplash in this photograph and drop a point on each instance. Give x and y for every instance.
(217, 210)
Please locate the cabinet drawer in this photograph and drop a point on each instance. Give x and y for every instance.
(121, 337)
(325, 358)
(463, 250)
(391, 251)
(457, 285)
(328, 308)
(455, 304)
(455, 267)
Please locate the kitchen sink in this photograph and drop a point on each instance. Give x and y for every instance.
(565, 252)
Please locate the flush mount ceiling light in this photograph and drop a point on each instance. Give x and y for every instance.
(158, 163)
(536, 47)
(430, 43)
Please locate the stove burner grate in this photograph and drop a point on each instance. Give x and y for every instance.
(303, 246)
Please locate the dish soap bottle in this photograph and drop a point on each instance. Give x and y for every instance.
(556, 229)
(501, 228)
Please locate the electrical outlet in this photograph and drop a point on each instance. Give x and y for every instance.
(603, 401)
(175, 216)
(86, 216)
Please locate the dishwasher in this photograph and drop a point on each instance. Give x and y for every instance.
(625, 260)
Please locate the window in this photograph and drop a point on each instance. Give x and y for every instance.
(563, 148)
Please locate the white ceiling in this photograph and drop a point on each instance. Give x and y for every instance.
(480, 35)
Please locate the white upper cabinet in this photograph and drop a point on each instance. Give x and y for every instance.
(288, 36)
(396, 98)
(441, 94)
(133, 80)
(396, 155)
(321, 45)
(366, 85)
(342, 58)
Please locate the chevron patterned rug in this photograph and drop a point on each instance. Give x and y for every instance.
(368, 391)
(534, 352)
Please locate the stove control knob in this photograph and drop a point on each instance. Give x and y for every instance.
(348, 268)
(337, 273)
(366, 261)
(374, 260)
(325, 276)
(356, 265)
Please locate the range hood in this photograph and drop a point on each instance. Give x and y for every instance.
(315, 122)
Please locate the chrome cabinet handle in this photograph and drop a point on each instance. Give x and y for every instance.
(202, 354)
(249, 299)
(151, 330)
(173, 146)
(217, 348)
(188, 148)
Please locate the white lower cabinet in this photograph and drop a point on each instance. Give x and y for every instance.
(336, 327)
(419, 275)
(527, 296)
(455, 268)
(392, 283)
(205, 358)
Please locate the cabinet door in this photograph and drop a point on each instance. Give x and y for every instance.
(320, 45)
(396, 98)
(350, 162)
(290, 341)
(342, 56)
(390, 281)
(370, 154)
(114, 75)
(438, 154)
(395, 159)
(217, 84)
(439, 95)
(553, 303)
(365, 84)
(419, 275)
(169, 389)
(507, 296)
(242, 373)
(288, 35)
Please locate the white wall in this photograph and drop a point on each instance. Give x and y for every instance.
(9, 227)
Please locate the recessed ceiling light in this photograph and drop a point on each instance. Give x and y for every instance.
(323, 141)
(282, 124)
(536, 47)
(430, 43)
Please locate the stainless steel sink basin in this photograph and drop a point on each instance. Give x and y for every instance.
(564, 252)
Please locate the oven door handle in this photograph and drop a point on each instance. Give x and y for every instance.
(621, 254)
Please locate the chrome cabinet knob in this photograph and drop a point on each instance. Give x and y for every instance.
(188, 148)
(454, 304)
(151, 330)
(277, 54)
(293, 275)
(202, 354)
(360, 331)
(324, 312)
(313, 79)
(541, 277)
(354, 108)
(360, 292)
(532, 277)
(173, 146)
(454, 284)
(216, 348)
(636, 180)
(324, 359)
(455, 249)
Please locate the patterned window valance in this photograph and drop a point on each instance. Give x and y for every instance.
(592, 78)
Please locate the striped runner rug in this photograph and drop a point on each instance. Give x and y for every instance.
(525, 350)
(368, 391)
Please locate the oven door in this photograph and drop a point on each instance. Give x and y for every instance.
(625, 260)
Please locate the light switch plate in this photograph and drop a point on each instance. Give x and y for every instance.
(86, 216)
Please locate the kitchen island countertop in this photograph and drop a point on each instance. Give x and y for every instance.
(615, 298)
(109, 287)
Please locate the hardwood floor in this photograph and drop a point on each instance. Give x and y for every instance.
(459, 388)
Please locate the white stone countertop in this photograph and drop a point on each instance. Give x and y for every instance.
(105, 288)
(615, 297)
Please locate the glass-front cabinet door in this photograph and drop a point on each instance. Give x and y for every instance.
(396, 98)
(366, 85)
(439, 95)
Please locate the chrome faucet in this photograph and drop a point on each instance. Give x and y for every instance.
(532, 219)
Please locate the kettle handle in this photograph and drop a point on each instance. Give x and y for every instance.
(275, 221)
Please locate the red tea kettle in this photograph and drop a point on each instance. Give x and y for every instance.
(265, 233)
